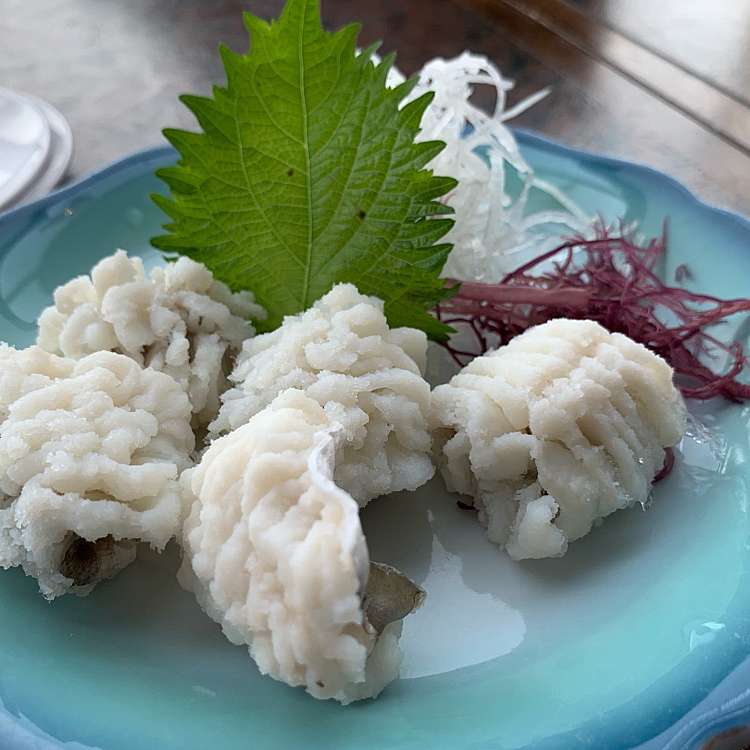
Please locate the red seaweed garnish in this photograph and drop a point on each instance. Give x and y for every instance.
(667, 466)
(612, 280)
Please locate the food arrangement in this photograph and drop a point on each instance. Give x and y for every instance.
(150, 410)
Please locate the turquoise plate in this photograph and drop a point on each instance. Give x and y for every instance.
(639, 637)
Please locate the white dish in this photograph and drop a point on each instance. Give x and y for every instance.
(25, 144)
(61, 153)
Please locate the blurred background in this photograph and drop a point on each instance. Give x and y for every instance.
(666, 83)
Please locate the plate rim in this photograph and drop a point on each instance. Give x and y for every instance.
(717, 715)
(523, 135)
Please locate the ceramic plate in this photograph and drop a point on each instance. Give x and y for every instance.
(60, 156)
(36, 147)
(25, 143)
(639, 637)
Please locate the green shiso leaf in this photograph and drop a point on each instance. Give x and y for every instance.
(306, 173)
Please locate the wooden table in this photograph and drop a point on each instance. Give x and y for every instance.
(115, 69)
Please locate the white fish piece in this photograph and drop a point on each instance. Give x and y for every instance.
(275, 553)
(367, 376)
(555, 431)
(90, 453)
(178, 320)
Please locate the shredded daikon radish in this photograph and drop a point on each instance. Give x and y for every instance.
(495, 227)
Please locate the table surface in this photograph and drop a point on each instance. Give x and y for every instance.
(668, 86)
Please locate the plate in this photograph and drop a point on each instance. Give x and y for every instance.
(36, 147)
(639, 637)
(25, 142)
(61, 153)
